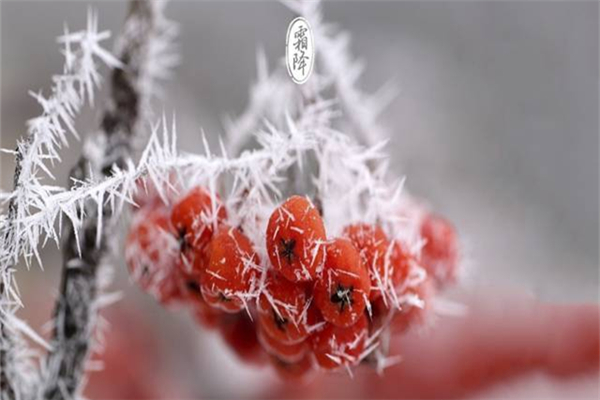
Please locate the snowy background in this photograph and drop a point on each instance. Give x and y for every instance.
(496, 122)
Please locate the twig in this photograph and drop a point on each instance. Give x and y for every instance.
(88, 247)
(46, 134)
(7, 391)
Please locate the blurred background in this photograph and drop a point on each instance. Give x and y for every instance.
(496, 124)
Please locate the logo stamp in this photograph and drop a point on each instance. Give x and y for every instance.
(299, 50)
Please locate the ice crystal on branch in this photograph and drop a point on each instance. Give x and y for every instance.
(47, 134)
(35, 154)
(90, 246)
(33, 208)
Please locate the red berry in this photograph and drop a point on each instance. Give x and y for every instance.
(196, 216)
(231, 272)
(381, 313)
(151, 255)
(169, 292)
(375, 250)
(206, 315)
(400, 259)
(240, 334)
(146, 193)
(194, 262)
(343, 290)
(335, 347)
(411, 315)
(283, 310)
(295, 236)
(440, 254)
(286, 352)
(292, 371)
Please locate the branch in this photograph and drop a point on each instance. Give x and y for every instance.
(46, 135)
(7, 382)
(88, 246)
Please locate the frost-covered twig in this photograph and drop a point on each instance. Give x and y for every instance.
(88, 244)
(45, 136)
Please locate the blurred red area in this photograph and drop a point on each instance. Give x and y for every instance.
(131, 360)
(501, 341)
(464, 356)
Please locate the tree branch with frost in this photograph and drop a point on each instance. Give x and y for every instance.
(88, 243)
(350, 186)
(46, 135)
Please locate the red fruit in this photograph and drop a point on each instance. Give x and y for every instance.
(240, 334)
(343, 290)
(147, 194)
(381, 314)
(292, 371)
(286, 352)
(411, 315)
(231, 272)
(196, 216)
(170, 291)
(375, 250)
(206, 315)
(335, 347)
(283, 310)
(440, 253)
(151, 255)
(400, 260)
(194, 262)
(295, 236)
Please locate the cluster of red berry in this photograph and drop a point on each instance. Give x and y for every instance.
(318, 301)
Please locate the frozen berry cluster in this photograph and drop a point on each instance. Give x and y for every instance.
(311, 301)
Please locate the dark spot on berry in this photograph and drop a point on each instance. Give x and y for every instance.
(342, 296)
(280, 321)
(283, 364)
(224, 298)
(193, 286)
(287, 249)
(183, 244)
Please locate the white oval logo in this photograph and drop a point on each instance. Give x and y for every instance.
(299, 50)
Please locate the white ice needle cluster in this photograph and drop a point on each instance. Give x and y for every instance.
(47, 134)
(35, 155)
